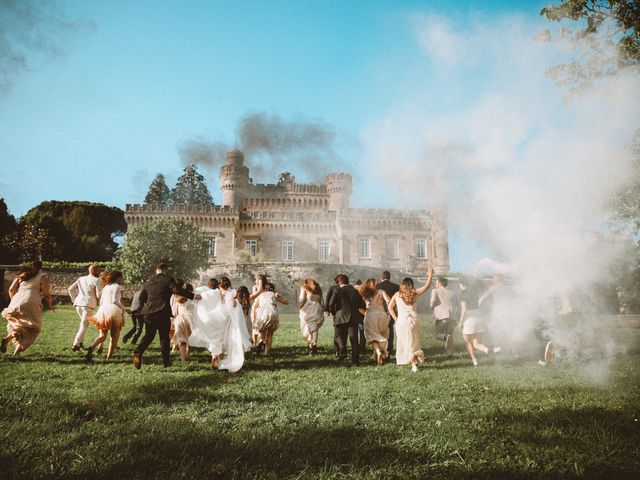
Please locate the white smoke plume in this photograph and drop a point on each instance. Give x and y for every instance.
(526, 174)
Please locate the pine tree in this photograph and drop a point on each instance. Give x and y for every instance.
(191, 189)
(158, 193)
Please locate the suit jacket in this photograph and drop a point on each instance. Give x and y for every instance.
(389, 288)
(331, 293)
(136, 306)
(346, 302)
(85, 291)
(442, 302)
(156, 294)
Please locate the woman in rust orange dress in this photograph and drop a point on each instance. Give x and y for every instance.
(110, 314)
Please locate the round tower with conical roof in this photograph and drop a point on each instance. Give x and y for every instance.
(234, 179)
(339, 189)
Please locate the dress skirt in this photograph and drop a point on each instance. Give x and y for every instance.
(107, 317)
(473, 323)
(376, 326)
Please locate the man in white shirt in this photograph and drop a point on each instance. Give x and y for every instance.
(85, 292)
(442, 302)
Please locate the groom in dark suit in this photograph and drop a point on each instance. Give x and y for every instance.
(390, 288)
(156, 311)
(346, 303)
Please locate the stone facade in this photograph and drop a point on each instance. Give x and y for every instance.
(291, 222)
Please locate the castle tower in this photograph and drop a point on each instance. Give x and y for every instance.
(440, 238)
(339, 188)
(234, 179)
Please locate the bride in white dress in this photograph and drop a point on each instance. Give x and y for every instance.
(219, 326)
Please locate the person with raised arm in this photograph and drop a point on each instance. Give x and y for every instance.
(408, 351)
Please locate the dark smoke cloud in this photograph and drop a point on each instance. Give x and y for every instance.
(272, 145)
(202, 152)
(33, 31)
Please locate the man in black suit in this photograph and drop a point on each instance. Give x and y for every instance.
(346, 303)
(331, 293)
(390, 288)
(155, 298)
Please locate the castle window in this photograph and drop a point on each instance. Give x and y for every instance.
(251, 246)
(364, 248)
(211, 246)
(287, 250)
(421, 248)
(393, 248)
(323, 251)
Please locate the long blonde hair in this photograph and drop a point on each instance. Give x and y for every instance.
(408, 292)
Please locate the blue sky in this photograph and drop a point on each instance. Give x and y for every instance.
(138, 79)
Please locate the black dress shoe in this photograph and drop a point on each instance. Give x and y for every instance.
(125, 339)
(3, 345)
(90, 354)
(77, 347)
(314, 350)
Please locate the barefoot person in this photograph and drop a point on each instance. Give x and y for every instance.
(85, 292)
(408, 349)
(376, 319)
(265, 311)
(156, 297)
(311, 307)
(24, 313)
(471, 323)
(110, 314)
(183, 323)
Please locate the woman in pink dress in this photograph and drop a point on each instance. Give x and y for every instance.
(408, 350)
(24, 313)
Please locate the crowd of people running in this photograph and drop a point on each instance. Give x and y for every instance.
(230, 322)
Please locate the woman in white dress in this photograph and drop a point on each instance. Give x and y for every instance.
(110, 314)
(220, 327)
(408, 350)
(24, 313)
(183, 323)
(265, 312)
(376, 319)
(259, 287)
(311, 307)
(471, 323)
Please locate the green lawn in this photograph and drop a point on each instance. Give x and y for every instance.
(298, 416)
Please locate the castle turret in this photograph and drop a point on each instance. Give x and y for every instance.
(339, 188)
(440, 237)
(234, 179)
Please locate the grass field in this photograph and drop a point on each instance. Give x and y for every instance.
(301, 416)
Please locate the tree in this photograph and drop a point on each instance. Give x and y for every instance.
(607, 41)
(159, 193)
(8, 226)
(191, 189)
(77, 231)
(180, 244)
(28, 243)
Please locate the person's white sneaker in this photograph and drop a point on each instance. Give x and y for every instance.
(497, 349)
(414, 368)
(475, 363)
(542, 363)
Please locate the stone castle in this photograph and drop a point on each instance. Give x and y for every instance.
(292, 222)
